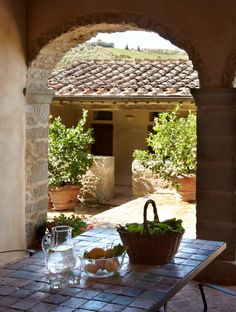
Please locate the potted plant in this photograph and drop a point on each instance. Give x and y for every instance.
(68, 160)
(173, 151)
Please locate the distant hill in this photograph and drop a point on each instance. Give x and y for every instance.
(88, 51)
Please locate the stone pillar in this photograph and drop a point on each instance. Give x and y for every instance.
(216, 176)
(36, 154)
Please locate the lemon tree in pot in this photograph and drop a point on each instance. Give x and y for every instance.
(69, 159)
(173, 151)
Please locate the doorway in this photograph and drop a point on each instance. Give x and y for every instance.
(103, 134)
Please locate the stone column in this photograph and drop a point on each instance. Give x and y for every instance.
(216, 175)
(36, 154)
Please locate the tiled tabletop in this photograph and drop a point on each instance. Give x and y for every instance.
(137, 288)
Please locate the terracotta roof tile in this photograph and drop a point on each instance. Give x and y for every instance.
(125, 77)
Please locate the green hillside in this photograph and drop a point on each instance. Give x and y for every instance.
(94, 52)
(135, 54)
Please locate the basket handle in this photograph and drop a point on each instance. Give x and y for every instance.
(156, 218)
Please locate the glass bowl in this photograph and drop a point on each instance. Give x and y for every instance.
(102, 267)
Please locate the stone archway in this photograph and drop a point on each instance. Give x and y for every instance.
(44, 55)
(47, 50)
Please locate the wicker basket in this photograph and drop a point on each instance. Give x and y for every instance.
(150, 249)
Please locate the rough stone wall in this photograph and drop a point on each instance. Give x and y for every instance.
(145, 182)
(37, 113)
(98, 183)
(216, 175)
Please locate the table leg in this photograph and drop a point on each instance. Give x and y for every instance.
(164, 309)
(203, 297)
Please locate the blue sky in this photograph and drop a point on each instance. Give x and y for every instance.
(134, 39)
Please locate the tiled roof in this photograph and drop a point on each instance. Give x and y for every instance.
(125, 78)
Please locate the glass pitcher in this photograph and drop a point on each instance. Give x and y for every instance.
(60, 257)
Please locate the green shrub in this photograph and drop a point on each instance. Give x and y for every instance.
(173, 145)
(68, 152)
(79, 226)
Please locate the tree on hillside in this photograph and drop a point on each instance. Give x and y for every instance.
(126, 47)
(104, 44)
(138, 48)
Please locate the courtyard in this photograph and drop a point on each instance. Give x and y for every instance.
(123, 209)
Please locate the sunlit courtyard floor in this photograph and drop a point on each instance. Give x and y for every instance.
(168, 205)
(122, 194)
(122, 209)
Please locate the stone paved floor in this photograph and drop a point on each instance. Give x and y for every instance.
(124, 210)
(189, 300)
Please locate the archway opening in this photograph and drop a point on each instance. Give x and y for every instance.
(39, 98)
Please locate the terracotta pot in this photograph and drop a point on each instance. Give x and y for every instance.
(64, 197)
(187, 189)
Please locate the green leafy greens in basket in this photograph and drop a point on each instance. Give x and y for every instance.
(155, 227)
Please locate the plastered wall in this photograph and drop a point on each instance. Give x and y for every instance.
(129, 133)
(12, 128)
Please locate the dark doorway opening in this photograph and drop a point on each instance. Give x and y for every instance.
(103, 134)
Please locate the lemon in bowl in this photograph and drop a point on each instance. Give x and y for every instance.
(102, 262)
